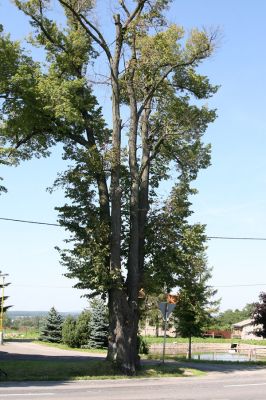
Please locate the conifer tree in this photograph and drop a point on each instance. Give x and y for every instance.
(52, 330)
(98, 324)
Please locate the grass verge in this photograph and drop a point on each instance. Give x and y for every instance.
(82, 370)
(65, 347)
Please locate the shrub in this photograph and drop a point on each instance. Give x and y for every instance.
(69, 336)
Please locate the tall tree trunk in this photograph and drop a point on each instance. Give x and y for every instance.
(144, 184)
(123, 306)
(123, 316)
(123, 321)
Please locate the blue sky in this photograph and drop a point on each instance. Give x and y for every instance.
(232, 192)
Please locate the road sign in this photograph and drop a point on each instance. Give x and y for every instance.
(166, 309)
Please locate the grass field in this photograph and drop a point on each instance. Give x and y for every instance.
(85, 370)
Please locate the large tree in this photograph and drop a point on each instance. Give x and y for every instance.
(155, 136)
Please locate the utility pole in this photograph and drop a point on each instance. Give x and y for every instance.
(2, 309)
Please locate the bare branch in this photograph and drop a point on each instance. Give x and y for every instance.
(137, 11)
(124, 7)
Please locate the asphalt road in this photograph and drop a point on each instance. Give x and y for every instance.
(222, 382)
(246, 386)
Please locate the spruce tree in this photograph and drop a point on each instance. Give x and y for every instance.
(52, 330)
(98, 325)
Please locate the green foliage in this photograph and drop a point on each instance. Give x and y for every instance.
(143, 346)
(69, 332)
(98, 324)
(227, 318)
(195, 306)
(76, 331)
(113, 183)
(259, 316)
(52, 329)
(82, 331)
(5, 307)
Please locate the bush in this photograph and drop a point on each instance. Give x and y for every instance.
(69, 336)
(143, 346)
(83, 328)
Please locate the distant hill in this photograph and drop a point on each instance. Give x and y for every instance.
(19, 314)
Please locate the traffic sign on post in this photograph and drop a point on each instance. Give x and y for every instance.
(166, 309)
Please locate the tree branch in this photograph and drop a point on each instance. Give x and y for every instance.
(86, 24)
(122, 3)
(137, 10)
(166, 74)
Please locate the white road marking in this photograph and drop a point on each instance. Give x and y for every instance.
(246, 384)
(26, 394)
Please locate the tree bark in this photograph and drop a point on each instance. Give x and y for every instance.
(123, 322)
(144, 184)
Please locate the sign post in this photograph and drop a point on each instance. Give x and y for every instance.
(166, 309)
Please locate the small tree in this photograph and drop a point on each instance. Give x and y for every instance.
(83, 328)
(69, 336)
(259, 316)
(98, 325)
(194, 308)
(52, 330)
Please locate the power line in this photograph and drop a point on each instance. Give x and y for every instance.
(208, 237)
(28, 222)
(241, 285)
(235, 238)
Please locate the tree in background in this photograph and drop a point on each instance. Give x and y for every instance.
(224, 320)
(195, 307)
(76, 331)
(52, 329)
(98, 324)
(3, 298)
(69, 336)
(259, 316)
(83, 328)
(115, 174)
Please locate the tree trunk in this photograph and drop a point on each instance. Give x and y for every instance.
(144, 185)
(123, 329)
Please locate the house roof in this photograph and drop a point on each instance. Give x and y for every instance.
(243, 323)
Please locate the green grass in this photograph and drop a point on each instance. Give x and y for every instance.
(85, 370)
(159, 340)
(65, 347)
(21, 334)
